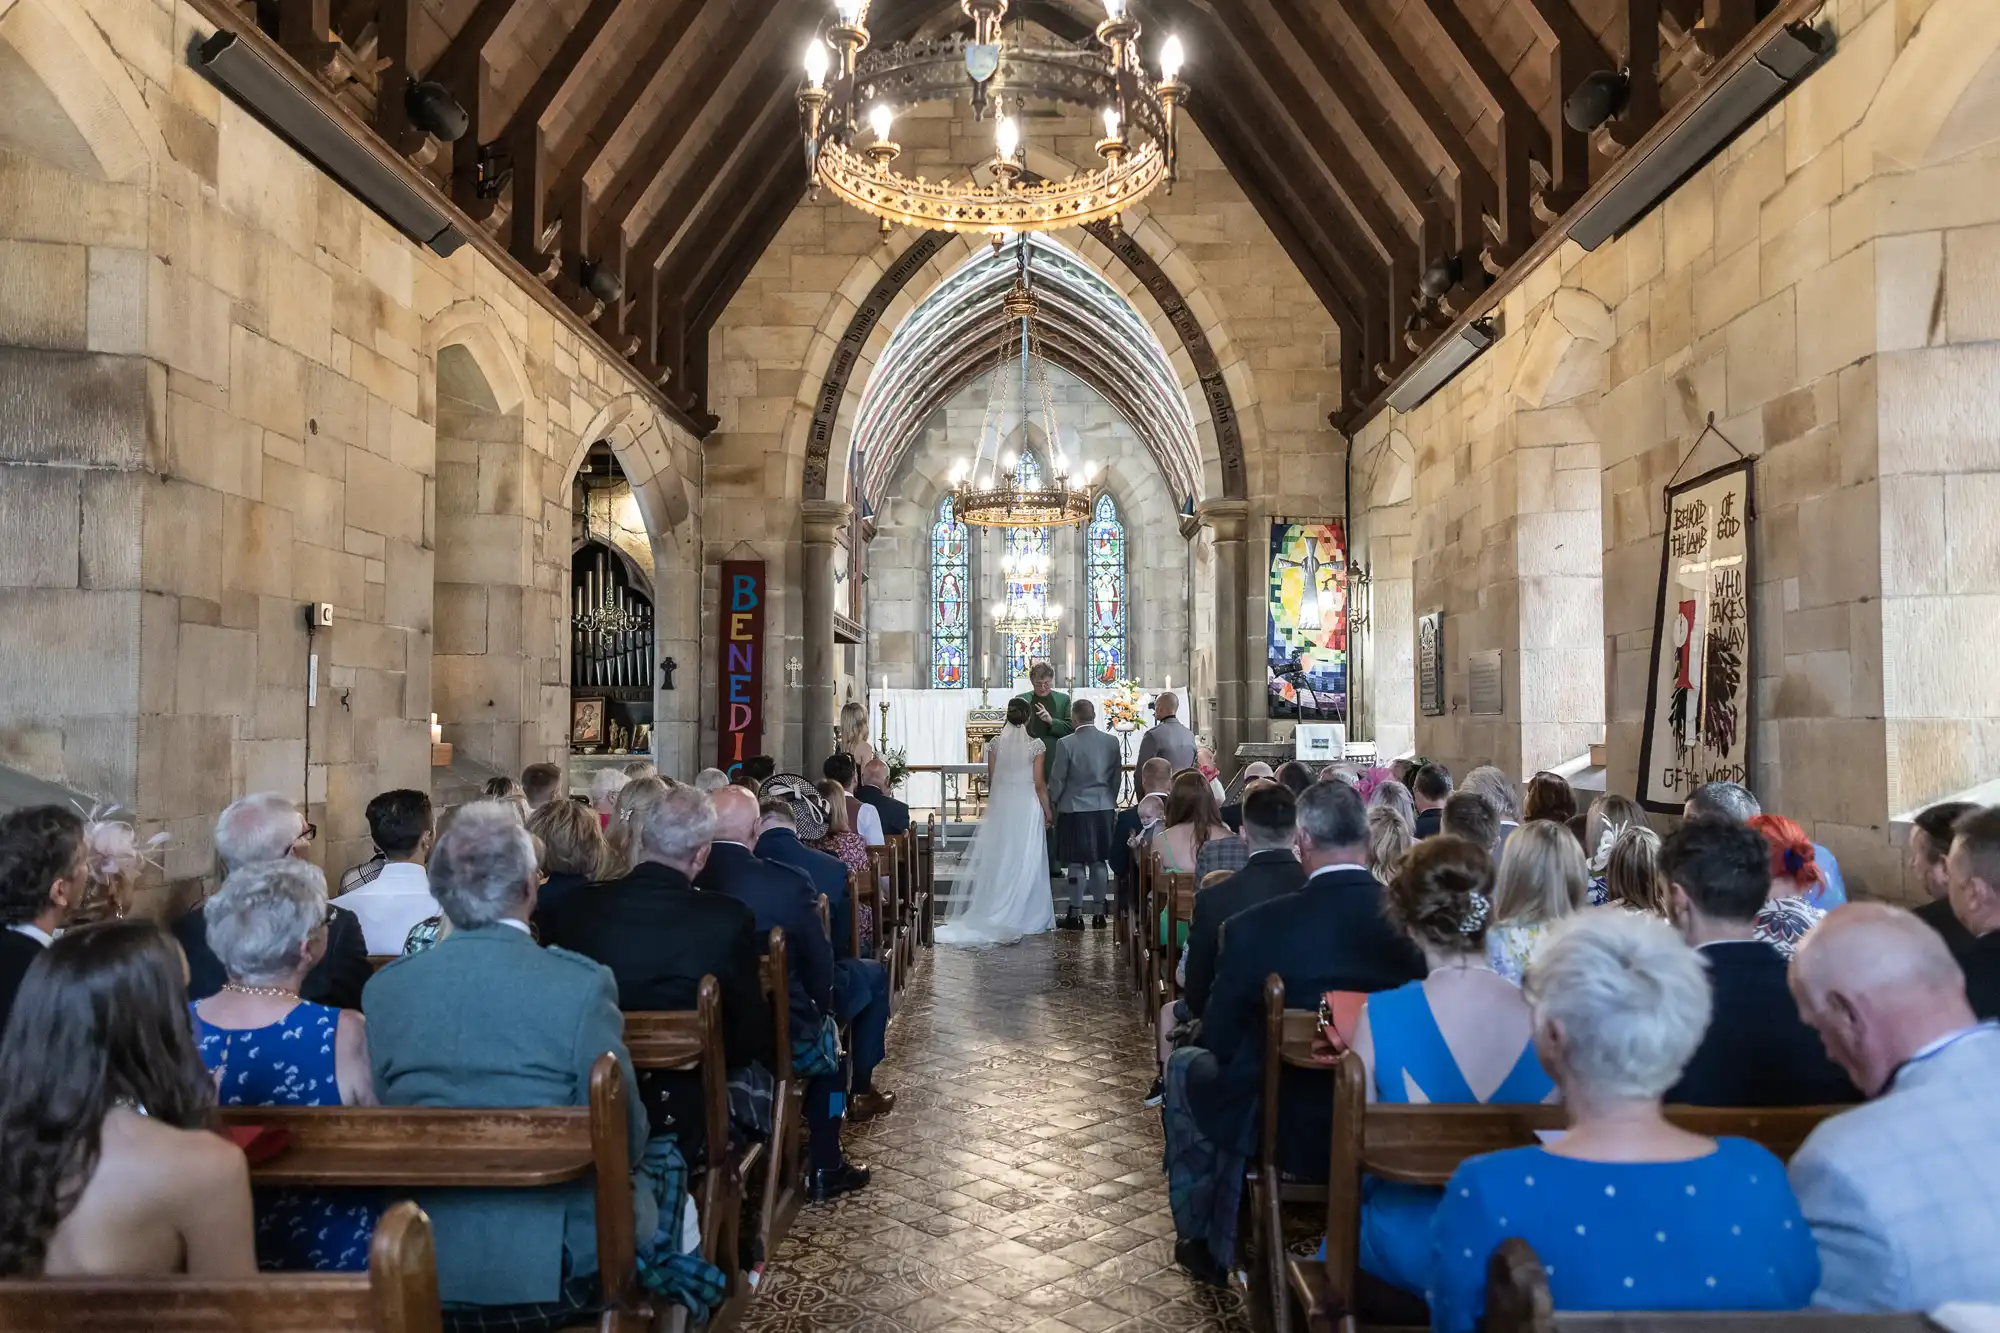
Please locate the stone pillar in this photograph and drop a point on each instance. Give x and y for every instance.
(1229, 520)
(822, 522)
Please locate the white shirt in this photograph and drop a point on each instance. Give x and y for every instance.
(34, 932)
(390, 904)
(869, 825)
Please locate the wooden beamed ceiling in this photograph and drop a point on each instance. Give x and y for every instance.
(657, 141)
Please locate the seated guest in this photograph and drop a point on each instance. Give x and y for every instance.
(43, 871)
(1389, 840)
(1608, 816)
(710, 780)
(1493, 786)
(1756, 1051)
(841, 842)
(1396, 796)
(1632, 873)
(660, 936)
(1541, 881)
(108, 1166)
(864, 818)
(399, 895)
(1204, 763)
(267, 1047)
(1330, 935)
(1153, 777)
(1296, 776)
(874, 791)
(1974, 868)
(784, 899)
(1903, 1194)
(507, 792)
(621, 835)
(755, 771)
(1463, 1034)
(1270, 820)
(1467, 815)
(1626, 1211)
(1429, 790)
(1232, 811)
(854, 732)
(1930, 844)
(541, 783)
(604, 789)
(1193, 819)
(860, 985)
(1550, 798)
(1734, 802)
(113, 859)
(1227, 855)
(1794, 874)
(573, 853)
(487, 1019)
(642, 768)
(269, 827)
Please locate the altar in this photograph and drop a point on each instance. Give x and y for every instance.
(930, 727)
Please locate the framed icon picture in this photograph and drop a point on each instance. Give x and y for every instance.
(586, 722)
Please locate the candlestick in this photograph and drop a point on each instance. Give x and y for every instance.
(1170, 681)
(437, 732)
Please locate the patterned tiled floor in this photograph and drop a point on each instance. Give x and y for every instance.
(1017, 1184)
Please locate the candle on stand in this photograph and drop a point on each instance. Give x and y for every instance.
(437, 732)
(1170, 682)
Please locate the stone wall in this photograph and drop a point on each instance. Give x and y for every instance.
(227, 390)
(770, 351)
(1156, 554)
(1824, 288)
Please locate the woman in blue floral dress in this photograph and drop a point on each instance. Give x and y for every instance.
(267, 1047)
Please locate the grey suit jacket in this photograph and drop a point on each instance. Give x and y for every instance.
(1903, 1194)
(1084, 775)
(488, 1018)
(1169, 740)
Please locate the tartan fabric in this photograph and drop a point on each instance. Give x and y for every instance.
(1204, 1180)
(819, 1053)
(685, 1279)
(582, 1297)
(752, 1092)
(1230, 854)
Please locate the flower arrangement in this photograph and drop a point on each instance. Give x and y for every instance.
(898, 760)
(1122, 705)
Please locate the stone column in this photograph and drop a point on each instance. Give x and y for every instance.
(821, 521)
(1230, 521)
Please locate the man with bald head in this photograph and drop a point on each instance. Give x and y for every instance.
(1903, 1194)
(874, 792)
(784, 898)
(1168, 738)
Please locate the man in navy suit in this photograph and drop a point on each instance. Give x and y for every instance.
(874, 790)
(1329, 936)
(860, 985)
(1270, 824)
(784, 898)
(1757, 1051)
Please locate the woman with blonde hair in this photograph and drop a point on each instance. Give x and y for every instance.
(1541, 881)
(573, 851)
(1607, 817)
(854, 733)
(1389, 841)
(622, 833)
(1632, 872)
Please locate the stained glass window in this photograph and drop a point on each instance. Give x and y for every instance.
(1029, 567)
(1104, 575)
(951, 601)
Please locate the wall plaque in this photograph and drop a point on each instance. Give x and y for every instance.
(740, 683)
(1483, 683)
(1430, 664)
(1698, 698)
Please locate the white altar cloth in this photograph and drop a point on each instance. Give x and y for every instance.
(929, 725)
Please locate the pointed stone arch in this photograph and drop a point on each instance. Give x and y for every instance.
(69, 100)
(1941, 98)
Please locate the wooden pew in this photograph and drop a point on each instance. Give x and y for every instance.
(378, 961)
(888, 913)
(1423, 1145)
(1173, 894)
(861, 889)
(407, 1147)
(398, 1294)
(897, 845)
(927, 878)
(1289, 1035)
(778, 1196)
(1517, 1301)
(692, 1039)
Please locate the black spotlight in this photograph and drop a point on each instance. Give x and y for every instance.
(431, 108)
(494, 171)
(600, 282)
(1443, 275)
(1597, 99)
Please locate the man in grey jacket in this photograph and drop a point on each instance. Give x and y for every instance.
(1083, 788)
(488, 1018)
(1168, 737)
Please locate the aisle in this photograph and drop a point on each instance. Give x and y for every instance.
(1017, 1184)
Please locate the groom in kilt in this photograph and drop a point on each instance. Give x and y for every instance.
(1083, 788)
(1048, 722)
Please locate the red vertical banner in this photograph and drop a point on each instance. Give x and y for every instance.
(740, 683)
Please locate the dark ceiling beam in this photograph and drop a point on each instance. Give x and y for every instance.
(1521, 133)
(678, 115)
(714, 288)
(395, 21)
(1473, 194)
(522, 132)
(1574, 55)
(1642, 94)
(462, 70)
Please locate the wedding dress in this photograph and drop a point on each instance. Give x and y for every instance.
(1006, 873)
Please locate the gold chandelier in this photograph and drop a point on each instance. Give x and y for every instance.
(989, 490)
(1140, 121)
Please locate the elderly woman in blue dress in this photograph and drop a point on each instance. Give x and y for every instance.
(1625, 1211)
(267, 1047)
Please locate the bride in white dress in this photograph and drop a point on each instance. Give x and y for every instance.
(1007, 870)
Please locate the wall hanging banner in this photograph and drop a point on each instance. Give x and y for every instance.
(1698, 700)
(740, 684)
(1430, 664)
(1306, 651)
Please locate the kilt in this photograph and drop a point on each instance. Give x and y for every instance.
(1085, 837)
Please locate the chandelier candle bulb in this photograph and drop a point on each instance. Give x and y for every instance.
(882, 120)
(1172, 56)
(817, 63)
